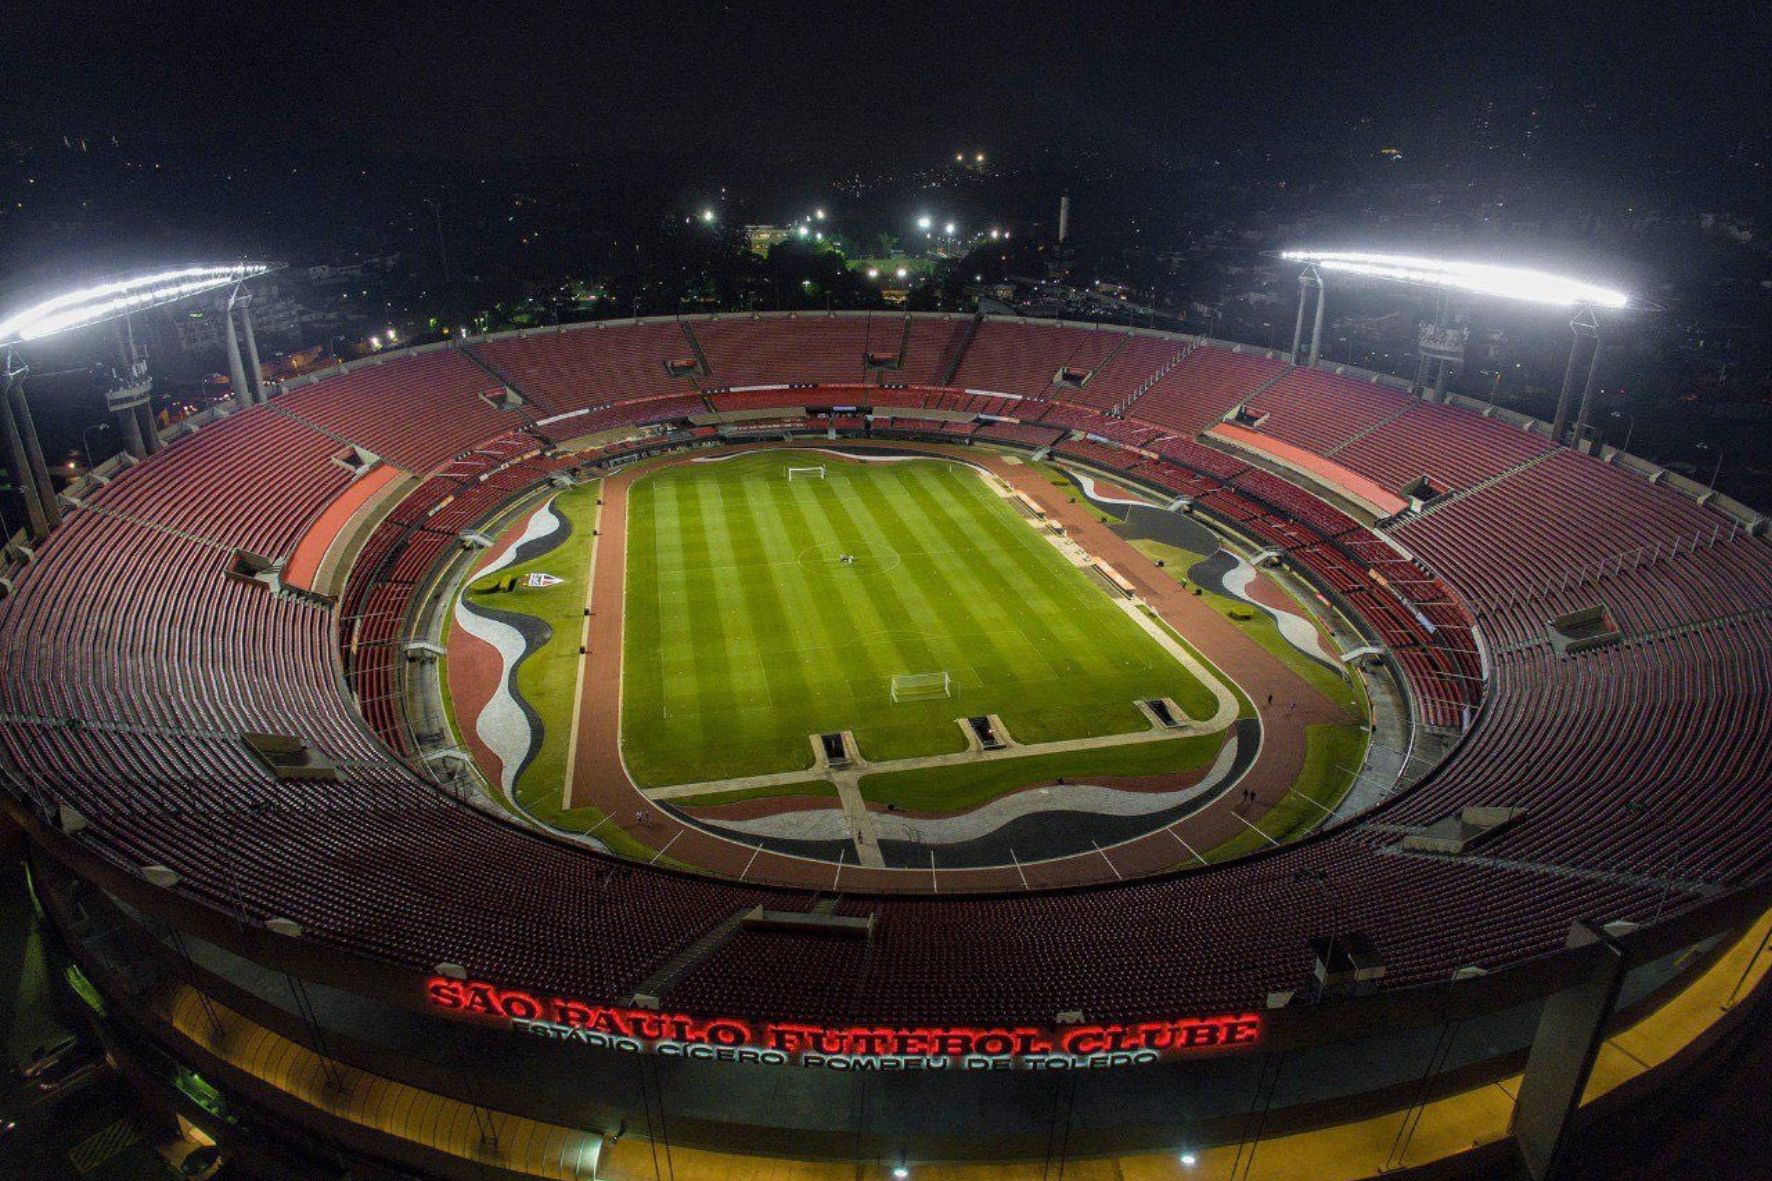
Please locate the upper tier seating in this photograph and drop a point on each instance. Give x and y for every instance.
(1452, 447)
(131, 661)
(1132, 363)
(1205, 386)
(1522, 531)
(1024, 356)
(414, 411)
(591, 365)
(1320, 411)
(934, 346)
(778, 349)
(285, 464)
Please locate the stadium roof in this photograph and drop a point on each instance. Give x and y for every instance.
(1478, 278)
(106, 301)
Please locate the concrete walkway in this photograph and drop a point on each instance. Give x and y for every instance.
(828, 824)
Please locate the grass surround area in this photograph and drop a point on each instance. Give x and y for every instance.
(969, 785)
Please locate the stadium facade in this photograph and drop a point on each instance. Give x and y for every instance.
(303, 933)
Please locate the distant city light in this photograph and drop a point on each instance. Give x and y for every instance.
(1475, 277)
(873, 272)
(707, 215)
(392, 335)
(375, 342)
(981, 157)
(901, 1172)
(819, 214)
(1189, 1160)
(949, 229)
(803, 231)
(994, 235)
(819, 235)
(91, 305)
(925, 222)
(959, 157)
(902, 272)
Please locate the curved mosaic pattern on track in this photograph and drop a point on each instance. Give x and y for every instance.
(1103, 494)
(506, 725)
(1228, 574)
(1032, 824)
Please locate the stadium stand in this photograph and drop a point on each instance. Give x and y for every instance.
(1133, 361)
(414, 411)
(1024, 356)
(136, 658)
(246, 449)
(1202, 388)
(1453, 448)
(1320, 411)
(773, 350)
(595, 365)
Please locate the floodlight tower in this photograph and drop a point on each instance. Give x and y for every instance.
(1446, 278)
(101, 304)
(24, 455)
(130, 397)
(1309, 281)
(1584, 327)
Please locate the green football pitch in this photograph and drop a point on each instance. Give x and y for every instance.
(746, 630)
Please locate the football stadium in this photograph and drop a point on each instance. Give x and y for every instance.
(868, 743)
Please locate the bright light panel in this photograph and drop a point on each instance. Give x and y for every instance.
(1475, 277)
(92, 305)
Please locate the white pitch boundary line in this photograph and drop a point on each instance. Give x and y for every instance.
(1104, 857)
(584, 643)
(1252, 828)
(1324, 810)
(1171, 831)
(666, 845)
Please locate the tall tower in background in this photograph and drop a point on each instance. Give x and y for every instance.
(1064, 218)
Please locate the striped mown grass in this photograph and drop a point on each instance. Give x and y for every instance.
(745, 632)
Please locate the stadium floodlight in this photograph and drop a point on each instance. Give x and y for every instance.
(86, 306)
(1478, 278)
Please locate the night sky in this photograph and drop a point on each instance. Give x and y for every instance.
(838, 85)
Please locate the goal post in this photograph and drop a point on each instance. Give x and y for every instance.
(805, 473)
(921, 687)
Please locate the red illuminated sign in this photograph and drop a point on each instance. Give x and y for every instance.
(857, 1047)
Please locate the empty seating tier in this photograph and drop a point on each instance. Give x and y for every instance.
(136, 654)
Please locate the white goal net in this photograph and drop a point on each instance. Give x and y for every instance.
(921, 686)
(805, 473)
